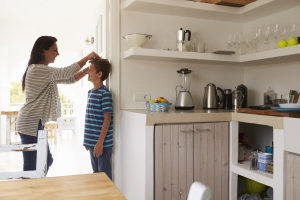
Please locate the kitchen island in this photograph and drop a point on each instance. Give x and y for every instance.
(138, 147)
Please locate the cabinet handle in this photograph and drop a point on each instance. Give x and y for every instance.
(187, 131)
(203, 130)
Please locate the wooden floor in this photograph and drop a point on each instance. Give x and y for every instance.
(70, 157)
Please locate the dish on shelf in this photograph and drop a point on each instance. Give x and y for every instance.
(279, 109)
(289, 105)
(224, 52)
(137, 39)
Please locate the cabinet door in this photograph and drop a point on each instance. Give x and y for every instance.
(211, 157)
(173, 161)
(292, 176)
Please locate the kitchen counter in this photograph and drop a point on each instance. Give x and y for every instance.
(198, 115)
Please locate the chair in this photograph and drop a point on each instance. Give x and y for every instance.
(51, 127)
(199, 191)
(41, 161)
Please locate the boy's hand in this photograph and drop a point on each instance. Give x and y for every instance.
(86, 148)
(98, 149)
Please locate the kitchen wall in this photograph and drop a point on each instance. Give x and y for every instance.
(160, 78)
(280, 74)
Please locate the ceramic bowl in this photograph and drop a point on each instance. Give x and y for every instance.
(137, 39)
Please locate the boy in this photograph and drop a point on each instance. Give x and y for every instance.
(98, 130)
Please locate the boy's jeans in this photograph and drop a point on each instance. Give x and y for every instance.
(101, 163)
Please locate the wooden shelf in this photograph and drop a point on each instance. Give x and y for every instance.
(256, 175)
(252, 11)
(165, 55)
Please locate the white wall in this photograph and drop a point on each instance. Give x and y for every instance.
(160, 78)
(19, 32)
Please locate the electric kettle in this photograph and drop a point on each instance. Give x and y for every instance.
(211, 100)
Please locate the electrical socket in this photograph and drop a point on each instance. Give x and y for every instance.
(142, 97)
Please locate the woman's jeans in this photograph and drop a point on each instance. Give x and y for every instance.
(101, 163)
(29, 157)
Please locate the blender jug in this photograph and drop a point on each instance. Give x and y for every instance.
(183, 96)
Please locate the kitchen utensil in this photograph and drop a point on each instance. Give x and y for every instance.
(237, 99)
(137, 39)
(211, 100)
(227, 99)
(244, 91)
(184, 40)
(184, 100)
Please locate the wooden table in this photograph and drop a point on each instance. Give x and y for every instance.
(10, 115)
(95, 186)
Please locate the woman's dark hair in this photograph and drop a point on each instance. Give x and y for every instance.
(37, 53)
(102, 65)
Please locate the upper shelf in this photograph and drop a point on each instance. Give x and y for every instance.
(252, 11)
(157, 54)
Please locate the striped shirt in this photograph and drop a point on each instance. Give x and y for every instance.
(42, 99)
(99, 102)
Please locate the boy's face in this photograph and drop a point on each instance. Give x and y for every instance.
(94, 77)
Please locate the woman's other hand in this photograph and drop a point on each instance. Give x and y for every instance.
(90, 56)
(93, 55)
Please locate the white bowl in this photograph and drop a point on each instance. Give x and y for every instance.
(137, 39)
(290, 105)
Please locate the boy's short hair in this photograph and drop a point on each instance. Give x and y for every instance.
(102, 65)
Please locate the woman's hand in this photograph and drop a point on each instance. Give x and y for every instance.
(90, 56)
(93, 55)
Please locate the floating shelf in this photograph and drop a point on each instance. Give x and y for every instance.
(252, 11)
(165, 55)
(258, 176)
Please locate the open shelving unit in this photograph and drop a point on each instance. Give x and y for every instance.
(165, 55)
(256, 175)
(187, 8)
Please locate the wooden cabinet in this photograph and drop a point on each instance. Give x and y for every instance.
(185, 153)
(292, 176)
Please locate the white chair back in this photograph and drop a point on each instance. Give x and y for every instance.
(199, 191)
(41, 160)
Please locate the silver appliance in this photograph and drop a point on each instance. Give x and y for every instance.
(184, 100)
(183, 40)
(237, 99)
(211, 100)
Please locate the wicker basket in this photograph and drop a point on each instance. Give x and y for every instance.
(157, 107)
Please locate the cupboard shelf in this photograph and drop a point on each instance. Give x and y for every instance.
(157, 54)
(256, 175)
(186, 8)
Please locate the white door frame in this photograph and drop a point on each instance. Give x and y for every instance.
(113, 54)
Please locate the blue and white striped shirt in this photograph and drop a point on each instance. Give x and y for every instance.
(99, 103)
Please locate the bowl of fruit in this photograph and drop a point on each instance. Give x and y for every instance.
(160, 104)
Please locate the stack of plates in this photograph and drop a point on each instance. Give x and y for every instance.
(288, 107)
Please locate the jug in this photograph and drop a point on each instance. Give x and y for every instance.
(211, 100)
(237, 99)
(183, 42)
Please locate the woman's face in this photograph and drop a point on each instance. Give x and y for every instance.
(93, 77)
(51, 54)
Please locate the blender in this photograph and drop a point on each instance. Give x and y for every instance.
(184, 100)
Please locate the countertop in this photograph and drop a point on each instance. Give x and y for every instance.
(198, 115)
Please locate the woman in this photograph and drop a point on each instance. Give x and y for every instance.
(42, 99)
